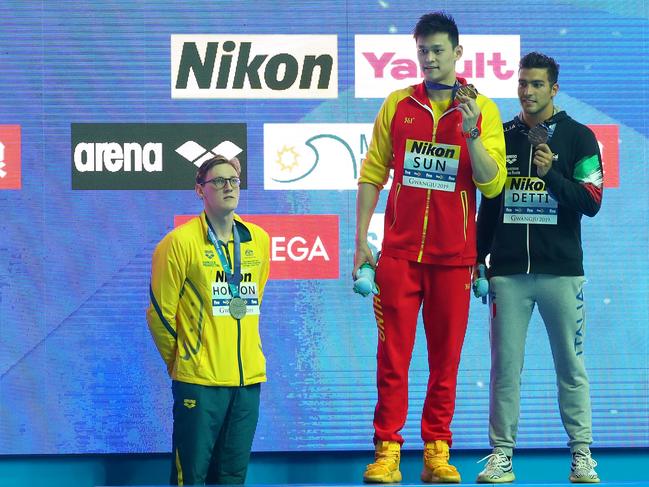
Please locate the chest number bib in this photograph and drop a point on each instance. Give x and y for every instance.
(527, 201)
(221, 299)
(430, 166)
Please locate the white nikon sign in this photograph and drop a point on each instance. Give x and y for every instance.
(254, 66)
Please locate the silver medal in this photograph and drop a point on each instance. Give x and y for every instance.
(237, 308)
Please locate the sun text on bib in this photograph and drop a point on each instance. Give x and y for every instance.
(430, 165)
(527, 201)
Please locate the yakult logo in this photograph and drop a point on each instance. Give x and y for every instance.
(254, 66)
(301, 246)
(10, 177)
(608, 138)
(385, 63)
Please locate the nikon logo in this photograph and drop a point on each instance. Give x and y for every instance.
(255, 66)
(526, 184)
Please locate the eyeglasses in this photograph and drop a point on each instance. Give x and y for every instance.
(219, 182)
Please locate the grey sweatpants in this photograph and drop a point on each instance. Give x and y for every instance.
(561, 304)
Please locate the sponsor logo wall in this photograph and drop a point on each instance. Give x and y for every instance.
(111, 127)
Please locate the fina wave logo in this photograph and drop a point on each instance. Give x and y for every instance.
(314, 156)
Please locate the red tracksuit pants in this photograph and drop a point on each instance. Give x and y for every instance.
(444, 292)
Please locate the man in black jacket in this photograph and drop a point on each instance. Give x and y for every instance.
(532, 233)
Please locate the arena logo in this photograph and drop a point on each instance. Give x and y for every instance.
(197, 154)
(608, 138)
(149, 156)
(254, 66)
(10, 154)
(384, 63)
(113, 157)
(314, 156)
(302, 246)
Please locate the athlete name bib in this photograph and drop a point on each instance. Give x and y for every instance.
(430, 165)
(527, 201)
(221, 300)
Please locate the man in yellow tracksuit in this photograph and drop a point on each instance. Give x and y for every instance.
(207, 283)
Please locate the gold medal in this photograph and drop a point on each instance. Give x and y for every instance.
(237, 308)
(468, 91)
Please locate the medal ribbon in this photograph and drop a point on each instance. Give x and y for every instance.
(233, 279)
(432, 85)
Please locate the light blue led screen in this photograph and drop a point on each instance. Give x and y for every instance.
(293, 90)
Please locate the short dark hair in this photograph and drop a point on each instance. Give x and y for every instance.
(435, 22)
(215, 161)
(541, 61)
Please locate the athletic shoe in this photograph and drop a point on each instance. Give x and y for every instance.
(385, 469)
(582, 470)
(498, 469)
(436, 466)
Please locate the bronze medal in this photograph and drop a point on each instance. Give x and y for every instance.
(237, 308)
(538, 135)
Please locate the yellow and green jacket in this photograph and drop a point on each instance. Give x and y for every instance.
(197, 346)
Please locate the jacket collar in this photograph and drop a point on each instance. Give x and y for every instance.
(421, 95)
(244, 231)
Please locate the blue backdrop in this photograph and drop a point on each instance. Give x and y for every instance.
(78, 369)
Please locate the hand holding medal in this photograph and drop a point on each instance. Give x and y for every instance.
(538, 137)
(467, 91)
(466, 96)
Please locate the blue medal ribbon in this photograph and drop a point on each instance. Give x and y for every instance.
(433, 85)
(233, 279)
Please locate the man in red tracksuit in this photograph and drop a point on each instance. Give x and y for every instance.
(441, 141)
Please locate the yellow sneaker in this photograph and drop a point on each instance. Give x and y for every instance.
(385, 469)
(436, 466)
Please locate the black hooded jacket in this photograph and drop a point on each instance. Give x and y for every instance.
(534, 225)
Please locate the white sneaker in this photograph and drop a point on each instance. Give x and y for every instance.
(498, 469)
(582, 470)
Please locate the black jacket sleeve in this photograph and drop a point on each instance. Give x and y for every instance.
(582, 192)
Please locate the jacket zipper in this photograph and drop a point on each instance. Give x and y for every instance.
(239, 361)
(394, 206)
(425, 225)
(465, 210)
(239, 353)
